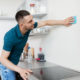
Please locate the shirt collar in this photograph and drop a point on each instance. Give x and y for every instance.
(18, 31)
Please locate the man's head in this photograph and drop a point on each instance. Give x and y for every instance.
(24, 19)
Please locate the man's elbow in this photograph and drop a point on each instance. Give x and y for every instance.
(2, 59)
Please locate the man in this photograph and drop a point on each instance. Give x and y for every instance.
(15, 40)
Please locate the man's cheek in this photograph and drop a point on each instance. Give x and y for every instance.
(32, 27)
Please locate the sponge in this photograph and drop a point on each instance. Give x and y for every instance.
(75, 19)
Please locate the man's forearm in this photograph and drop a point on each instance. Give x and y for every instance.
(66, 22)
(9, 64)
(55, 22)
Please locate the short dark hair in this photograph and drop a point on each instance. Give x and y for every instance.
(20, 14)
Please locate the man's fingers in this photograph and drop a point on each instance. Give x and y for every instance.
(71, 22)
(29, 71)
(24, 78)
(71, 18)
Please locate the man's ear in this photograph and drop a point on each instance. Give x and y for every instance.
(21, 24)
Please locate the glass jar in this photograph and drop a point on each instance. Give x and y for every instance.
(32, 8)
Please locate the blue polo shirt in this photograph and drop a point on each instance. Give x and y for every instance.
(14, 42)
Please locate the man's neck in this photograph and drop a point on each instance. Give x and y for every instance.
(23, 30)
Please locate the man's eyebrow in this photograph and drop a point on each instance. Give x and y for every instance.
(30, 21)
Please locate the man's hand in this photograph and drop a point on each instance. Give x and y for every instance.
(68, 21)
(24, 73)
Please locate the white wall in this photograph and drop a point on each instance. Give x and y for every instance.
(4, 27)
(7, 7)
(35, 42)
(62, 45)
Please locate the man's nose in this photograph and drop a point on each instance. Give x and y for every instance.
(32, 22)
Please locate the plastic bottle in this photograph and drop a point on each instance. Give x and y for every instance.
(41, 56)
(29, 55)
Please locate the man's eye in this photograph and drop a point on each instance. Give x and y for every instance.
(30, 21)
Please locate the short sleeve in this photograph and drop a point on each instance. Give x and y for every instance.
(35, 24)
(7, 44)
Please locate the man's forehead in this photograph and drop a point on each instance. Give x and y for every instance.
(28, 18)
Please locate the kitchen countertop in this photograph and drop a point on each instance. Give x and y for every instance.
(35, 64)
(51, 71)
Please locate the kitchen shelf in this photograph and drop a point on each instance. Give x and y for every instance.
(38, 34)
(6, 18)
(13, 18)
(39, 15)
(25, 6)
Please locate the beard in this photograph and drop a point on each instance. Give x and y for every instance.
(30, 28)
